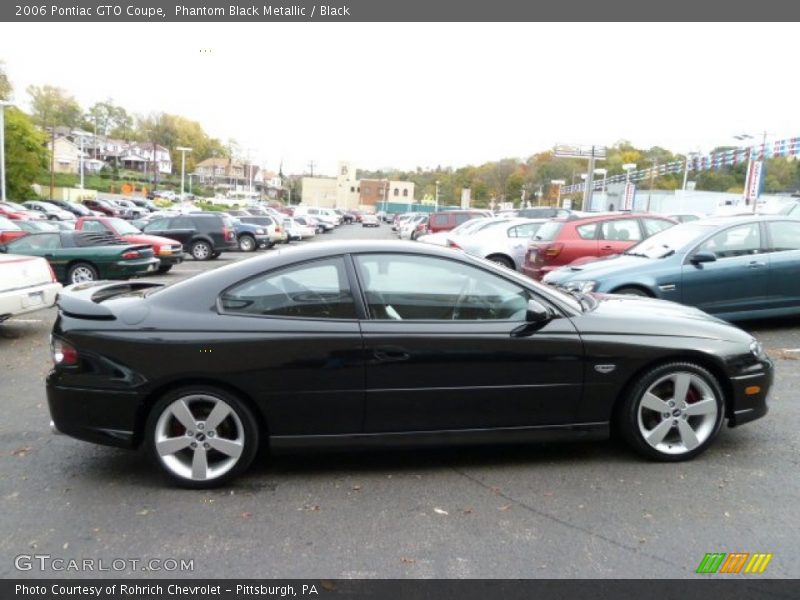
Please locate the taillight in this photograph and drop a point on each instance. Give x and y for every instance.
(277, 229)
(130, 255)
(62, 353)
(552, 250)
(228, 233)
(452, 244)
(52, 273)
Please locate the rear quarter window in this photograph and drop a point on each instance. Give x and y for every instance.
(548, 231)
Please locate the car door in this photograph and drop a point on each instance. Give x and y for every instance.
(737, 280)
(170, 227)
(442, 353)
(518, 238)
(617, 235)
(783, 283)
(300, 347)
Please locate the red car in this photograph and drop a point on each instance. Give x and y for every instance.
(103, 206)
(9, 231)
(169, 252)
(17, 212)
(450, 219)
(561, 241)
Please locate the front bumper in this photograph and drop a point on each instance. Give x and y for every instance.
(747, 403)
(171, 259)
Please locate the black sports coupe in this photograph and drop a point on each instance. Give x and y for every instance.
(387, 343)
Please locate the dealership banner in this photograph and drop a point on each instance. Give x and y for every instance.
(739, 586)
(394, 10)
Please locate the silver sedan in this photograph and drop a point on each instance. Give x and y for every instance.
(504, 241)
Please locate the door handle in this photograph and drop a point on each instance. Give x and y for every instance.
(607, 248)
(756, 265)
(389, 354)
(48, 256)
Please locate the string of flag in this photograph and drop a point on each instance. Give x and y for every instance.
(714, 160)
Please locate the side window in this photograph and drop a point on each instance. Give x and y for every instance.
(736, 241)
(440, 220)
(462, 218)
(93, 226)
(181, 223)
(524, 231)
(157, 225)
(621, 230)
(653, 226)
(36, 242)
(315, 290)
(452, 291)
(587, 231)
(785, 235)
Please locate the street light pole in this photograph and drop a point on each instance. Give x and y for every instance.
(436, 199)
(3, 104)
(183, 150)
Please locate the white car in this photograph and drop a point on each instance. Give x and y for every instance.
(298, 231)
(408, 230)
(369, 220)
(27, 283)
(326, 215)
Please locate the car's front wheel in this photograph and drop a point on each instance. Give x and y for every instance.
(164, 268)
(82, 272)
(672, 412)
(201, 436)
(201, 250)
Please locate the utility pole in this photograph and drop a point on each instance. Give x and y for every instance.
(3, 104)
(52, 161)
(311, 167)
(653, 170)
(436, 205)
(81, 161)
(183, 150)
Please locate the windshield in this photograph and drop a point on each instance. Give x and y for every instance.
(123, 227)
(670, 240)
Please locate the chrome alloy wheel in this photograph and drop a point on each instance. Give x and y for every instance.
(677, 413)
(82, 273)
(199, 437)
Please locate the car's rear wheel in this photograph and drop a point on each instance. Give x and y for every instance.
(247, 243)
(81, 272)
(673, 412)
(200, 250)
(632, 291)
(201, 436)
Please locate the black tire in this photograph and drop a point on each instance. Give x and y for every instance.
(247, 243)
(81, 272)
(501, 260)
(200, 250)
(164, 269)
(52, 218)
(215, 255)
(627, 417)
(632, 291)
(250, 432)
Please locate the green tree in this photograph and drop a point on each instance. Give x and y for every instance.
(26, 154)
(52, 107)
(5, 84)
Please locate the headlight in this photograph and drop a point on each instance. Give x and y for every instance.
(756, 349)
(581, 286)
(260, 231)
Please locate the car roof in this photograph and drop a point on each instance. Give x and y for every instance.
(725, 219)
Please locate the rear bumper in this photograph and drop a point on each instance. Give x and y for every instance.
(28, 299)
(536, 273)
(101, 417)
(129, 268)
(749, 404)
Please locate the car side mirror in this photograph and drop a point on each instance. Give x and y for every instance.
(703, 256)
(537, 313)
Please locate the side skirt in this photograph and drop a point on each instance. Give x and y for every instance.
(447, 437)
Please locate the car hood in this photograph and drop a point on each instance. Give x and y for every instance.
(602, 267)
(151, 240)
(634, 315)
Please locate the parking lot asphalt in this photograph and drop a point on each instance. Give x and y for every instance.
(568, 510)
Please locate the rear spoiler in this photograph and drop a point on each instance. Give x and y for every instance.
(84, 300)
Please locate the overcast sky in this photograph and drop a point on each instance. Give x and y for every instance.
(407, 95)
